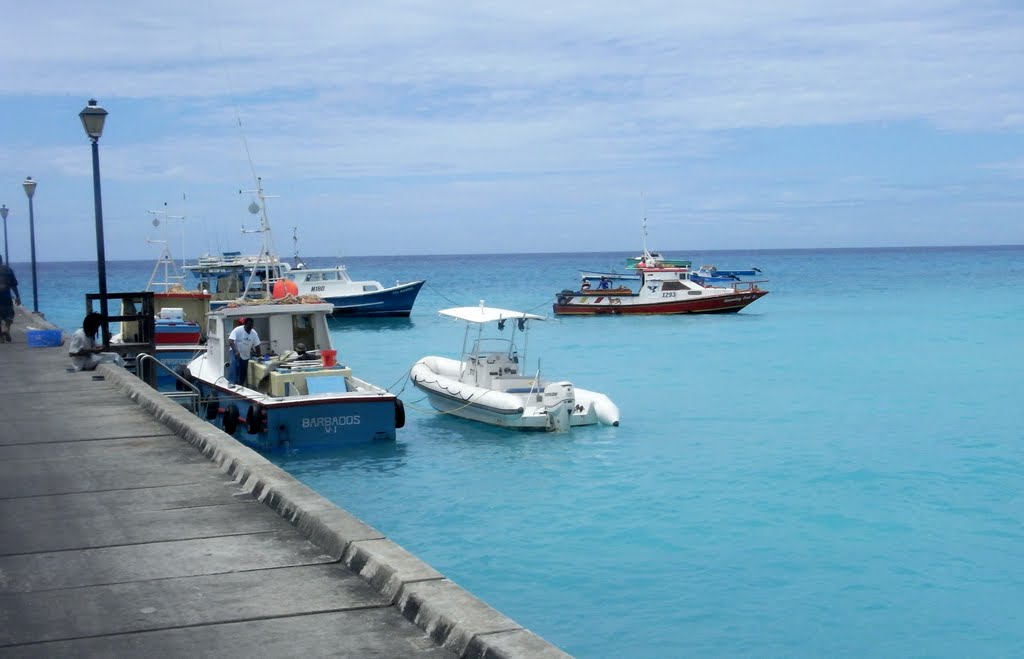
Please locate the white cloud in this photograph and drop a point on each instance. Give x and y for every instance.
(464, 108)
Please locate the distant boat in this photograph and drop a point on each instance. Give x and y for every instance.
(650, 257)
(704, 274)
(232, 275)
(662, 290)
(593, 274)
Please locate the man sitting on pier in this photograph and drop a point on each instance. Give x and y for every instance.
(85, 354)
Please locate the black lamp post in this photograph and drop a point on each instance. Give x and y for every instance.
(3, 214)
(92, 118)
(30, 190)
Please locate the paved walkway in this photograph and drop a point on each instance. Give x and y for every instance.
(130, 527)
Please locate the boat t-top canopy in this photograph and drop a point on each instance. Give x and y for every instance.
(482, 314)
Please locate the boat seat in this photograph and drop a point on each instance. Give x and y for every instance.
(520, 390)
(326, 385)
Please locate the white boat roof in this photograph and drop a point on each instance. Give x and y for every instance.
(273, 309)
(482, 314)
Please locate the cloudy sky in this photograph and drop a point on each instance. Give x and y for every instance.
(420, 127)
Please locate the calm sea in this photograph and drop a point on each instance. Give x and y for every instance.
(835, 471)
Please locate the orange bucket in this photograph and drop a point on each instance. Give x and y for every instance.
(330, 357)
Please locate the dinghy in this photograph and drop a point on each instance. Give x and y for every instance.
(489, 383)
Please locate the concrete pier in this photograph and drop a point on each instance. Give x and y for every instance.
(130, 527)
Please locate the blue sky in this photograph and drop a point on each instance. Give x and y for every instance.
(415, 127)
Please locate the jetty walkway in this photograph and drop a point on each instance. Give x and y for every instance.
(129, 527)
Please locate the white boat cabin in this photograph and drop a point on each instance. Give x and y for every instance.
(279, 326)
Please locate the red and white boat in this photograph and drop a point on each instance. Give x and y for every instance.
(661, 290)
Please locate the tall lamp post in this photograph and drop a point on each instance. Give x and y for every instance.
(30, 190)
(3, 214)
(93, 117)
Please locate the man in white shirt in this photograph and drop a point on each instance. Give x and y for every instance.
(244, 343)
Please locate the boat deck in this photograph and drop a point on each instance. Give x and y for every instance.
(129, 527)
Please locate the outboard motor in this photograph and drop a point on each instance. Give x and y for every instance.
(559, 399)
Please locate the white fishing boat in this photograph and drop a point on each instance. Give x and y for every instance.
(284, 402)
(489, 383)
(662, 290)
(232, 275)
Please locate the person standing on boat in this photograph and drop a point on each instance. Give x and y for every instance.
(85, 354)
(8, 288)
(245, 343)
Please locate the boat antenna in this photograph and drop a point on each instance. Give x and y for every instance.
(643, 224)
(183, 215)
(299, 263)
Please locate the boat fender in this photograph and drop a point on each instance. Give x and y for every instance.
(182, 372)
(212, 408)
(230, 420)
(399, 413)
(563, 299)
(256, 419)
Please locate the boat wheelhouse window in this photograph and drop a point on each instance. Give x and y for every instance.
(313, 276)
(673, 286)
(331, 276)
(371, 287)
(303, 332)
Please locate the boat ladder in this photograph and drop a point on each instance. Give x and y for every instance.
(185, 393)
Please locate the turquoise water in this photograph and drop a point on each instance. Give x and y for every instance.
(834, 471)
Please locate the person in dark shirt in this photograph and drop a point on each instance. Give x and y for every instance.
(302, 354)
(8, 298)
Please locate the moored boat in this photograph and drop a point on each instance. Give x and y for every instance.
(172, 318)
(661, 290)
(355, 298)
(287, 403)
(489, 382)
(232, 275)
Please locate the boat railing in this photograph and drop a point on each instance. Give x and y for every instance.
(748, 286)
(185, 393)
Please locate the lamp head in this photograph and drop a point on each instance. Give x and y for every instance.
(30, 186)
(3, 212)
(92, 118)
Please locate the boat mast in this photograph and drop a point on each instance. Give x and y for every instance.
(259, 207)
(165, 259)
(268, 255)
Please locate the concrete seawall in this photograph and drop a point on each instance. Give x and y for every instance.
(449, 616)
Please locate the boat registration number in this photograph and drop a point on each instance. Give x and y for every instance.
(330, 424)
(318, 289)
(668, 294)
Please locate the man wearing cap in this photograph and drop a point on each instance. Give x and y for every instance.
(244, 343)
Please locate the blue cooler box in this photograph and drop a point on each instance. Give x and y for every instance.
(40, 338)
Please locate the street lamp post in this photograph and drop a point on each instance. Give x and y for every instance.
(30, 190)
(93, 117)
(3, 214)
